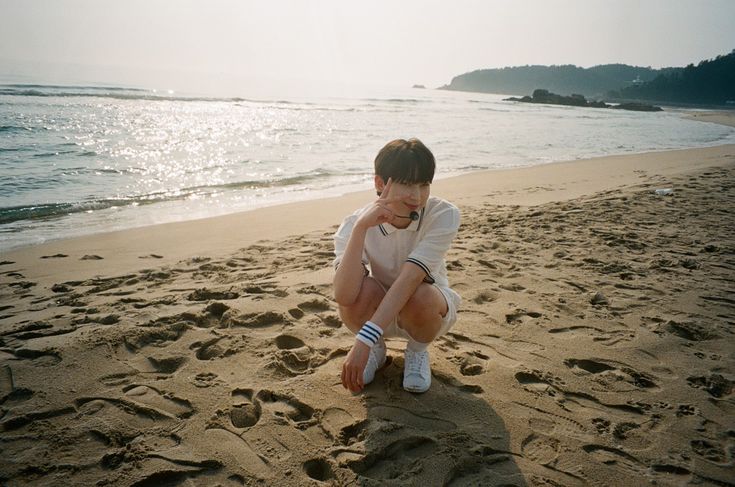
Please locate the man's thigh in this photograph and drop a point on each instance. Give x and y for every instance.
(368, 300)
(428, 299)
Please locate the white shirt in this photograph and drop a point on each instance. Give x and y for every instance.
(424, 243)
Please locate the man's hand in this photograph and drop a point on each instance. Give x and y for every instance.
(379, 212)
(354, 366)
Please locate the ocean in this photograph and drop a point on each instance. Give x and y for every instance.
(77, 160)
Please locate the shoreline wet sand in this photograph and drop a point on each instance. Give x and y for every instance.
(594, 343)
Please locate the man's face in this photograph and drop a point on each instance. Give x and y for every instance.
(411, 196)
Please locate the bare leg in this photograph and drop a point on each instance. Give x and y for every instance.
(422, 316)
(368, 300)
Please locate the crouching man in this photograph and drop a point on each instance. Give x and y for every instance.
(391, 276)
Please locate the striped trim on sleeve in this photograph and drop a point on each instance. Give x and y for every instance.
(429, 277)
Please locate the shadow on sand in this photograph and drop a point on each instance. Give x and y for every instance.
(448, 436)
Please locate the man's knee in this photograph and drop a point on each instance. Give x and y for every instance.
(426, 307)
(368, 300)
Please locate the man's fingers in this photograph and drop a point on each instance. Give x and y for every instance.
(349, 378)
(389, 200)
(386, 189)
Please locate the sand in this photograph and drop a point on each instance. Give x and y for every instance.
(594, 345)
(714, 116)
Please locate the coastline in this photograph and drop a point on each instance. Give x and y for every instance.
(594, 342)
(715, 116)
(164, 244)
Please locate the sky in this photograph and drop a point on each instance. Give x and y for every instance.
(247, 46)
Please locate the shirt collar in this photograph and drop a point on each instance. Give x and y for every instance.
(387, 228)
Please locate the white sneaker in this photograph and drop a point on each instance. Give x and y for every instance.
(416, 371)
(376, 360)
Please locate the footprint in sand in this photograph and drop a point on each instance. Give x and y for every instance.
(288, 342)
(248, 408)
(254, 320)
(318, 469)
(550, 423)
(8, 392)
(607, 338)
(395, 458)
(167, 365)
(216, 348)
(91, 257)
(205, 294)
(43, 358)
(341, 425)
(296, 313)
(540, 449)
(471, 363)
(710, 450)
(206, 379)
(242, 439)
(626, 462)
(152, 397)
(538, 381)
(517, 317)
(293, 356)
(244, 413)
(315, 306)
(229, 445)
(118, 378)
(286, 407)
(612, 375)
(716, 384)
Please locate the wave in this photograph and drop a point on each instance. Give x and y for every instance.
(50, 211)
(396, 100)
(139, 94)
(145, 96)
(73, 87)
(13, 128)
(115, 92)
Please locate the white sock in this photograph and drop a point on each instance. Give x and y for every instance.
(415, 346)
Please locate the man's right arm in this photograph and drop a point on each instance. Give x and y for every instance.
(350, 271)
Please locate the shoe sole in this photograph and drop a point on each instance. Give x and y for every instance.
(417, 391)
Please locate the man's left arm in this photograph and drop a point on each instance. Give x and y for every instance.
(427, 256)
(409, 279)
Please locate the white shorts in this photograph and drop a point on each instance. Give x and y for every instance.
(394, 329)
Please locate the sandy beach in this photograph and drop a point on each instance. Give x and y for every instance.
(594, 346)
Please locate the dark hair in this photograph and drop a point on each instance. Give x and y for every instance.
(406, 161)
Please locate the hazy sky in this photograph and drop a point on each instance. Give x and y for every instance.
(241, 45)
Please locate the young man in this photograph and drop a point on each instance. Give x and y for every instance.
(391, 278)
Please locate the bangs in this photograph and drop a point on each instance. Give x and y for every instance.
(406, 162)
(413, 170)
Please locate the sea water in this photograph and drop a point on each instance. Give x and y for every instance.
(77, 160)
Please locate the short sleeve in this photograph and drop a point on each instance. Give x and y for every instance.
(340, 240)
(429, 254)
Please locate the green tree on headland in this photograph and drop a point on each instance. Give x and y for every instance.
(567, 79)
(711, 82)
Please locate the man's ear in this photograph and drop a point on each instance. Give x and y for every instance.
(379, 184)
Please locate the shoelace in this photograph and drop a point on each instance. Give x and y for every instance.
(415, 362)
